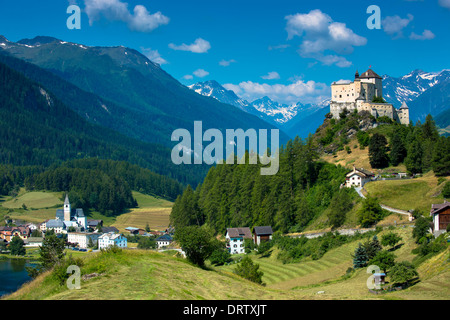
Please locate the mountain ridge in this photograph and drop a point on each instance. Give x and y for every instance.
(131, 81)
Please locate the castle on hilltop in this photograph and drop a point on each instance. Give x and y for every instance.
(365, 94)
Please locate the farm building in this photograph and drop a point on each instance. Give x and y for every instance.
(262, 234)
(441, 217)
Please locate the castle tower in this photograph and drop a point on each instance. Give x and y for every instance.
(403, 114)
(371, 77)
(67, 208)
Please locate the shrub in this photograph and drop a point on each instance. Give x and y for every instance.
(390, 239)
(249, 270)
(370, 212)
(59, 272)
(383, 259)
(264, 247)
(220, 256)
(146, 243)
(402, 273)
(197, 242)
(421, 229)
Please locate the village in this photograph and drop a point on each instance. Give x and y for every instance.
(80, 233)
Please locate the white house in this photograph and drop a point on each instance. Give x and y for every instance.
(164, 241)
(358, 177)
(112, 239)
(82, 238)
(235, 239)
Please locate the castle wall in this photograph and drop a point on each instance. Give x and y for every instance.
(343, 92)
(337, 107)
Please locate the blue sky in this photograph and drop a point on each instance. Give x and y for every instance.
(288, 50)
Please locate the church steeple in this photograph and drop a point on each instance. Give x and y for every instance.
(356, 74)
(67, 208)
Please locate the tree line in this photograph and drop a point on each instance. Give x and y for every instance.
(419, 147)
(102, 185)
(238, 195)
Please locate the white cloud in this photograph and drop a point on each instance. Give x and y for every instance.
(444, 3)
(306, 92)
(280, 47)
(331, 59)
(226, 63)
(271, 75)
(115, 10)
(315, 21)
(199, 46)
(153, 55)
(321, 37)
(188, 77)
(342, 81)
(200, 73)
(394, 25)
(426, 35)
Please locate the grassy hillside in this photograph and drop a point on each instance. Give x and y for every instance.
(139, 274)
(36, 200)
(417, 193)
(357, 157)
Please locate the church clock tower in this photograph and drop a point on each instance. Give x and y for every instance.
(67, 209)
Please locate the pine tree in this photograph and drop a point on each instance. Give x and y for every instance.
(414, 159)
(429, 129)
(398, 149)
(377, 151)
(340, 204)
(441, 157)
(373, 247)
(360, 258)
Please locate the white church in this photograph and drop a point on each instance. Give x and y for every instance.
(66, 218)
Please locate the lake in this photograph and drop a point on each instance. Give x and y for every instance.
(13, 275)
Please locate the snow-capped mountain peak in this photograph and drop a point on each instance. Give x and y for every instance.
(213, 89)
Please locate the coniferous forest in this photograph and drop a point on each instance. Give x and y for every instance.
(237, 195)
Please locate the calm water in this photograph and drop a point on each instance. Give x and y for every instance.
(12, 275)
